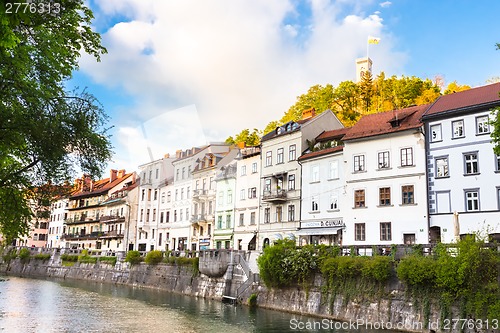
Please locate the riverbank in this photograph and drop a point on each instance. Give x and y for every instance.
(388, 306)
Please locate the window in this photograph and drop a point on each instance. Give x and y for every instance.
(219, 222)
(385, 231)
(252, 218)
(221, 199)
(333, 170)
(162, 215)
(254, 167)
(242, 194)
(197, 184)
(442, 167)
(142, 214)
(267, 215)
(167, 217)
(292, 153)
(472, 200)
(385, 196)
(497, 162)
(291, 213)
(291, 182)
(243, 170)
(163, 197)
(383, 160)
(229, 196)
(471, 165)
(188, 192)
(180, 214)
(177, 174)
(406, 157)
(407, 195)
(157, 173)
(147, 215)
(269, 158)
(359, 232)
(315, 173)
(314, 204)
(143, 195)
(359, 163)
(176, 195)
(189, 171)
(334, 201)
(149, 195)
(169, 196)
(359, 198)
(458, 129)
(482, 125)
(242, 219)
(267, 185)
(252, 193)
(182, 193)
(436, 133)
(279, 156)
(279, 214)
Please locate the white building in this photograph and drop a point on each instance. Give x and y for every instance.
(181, 224)
(386, 179)
(153, 176)
(58, 213)
(224, 206)
(165, 213)
(323, 191)
(247, 198)
(463, 170)
(280, 174)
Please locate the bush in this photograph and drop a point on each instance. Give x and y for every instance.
(42, 256)
(416, 270)
(252, 300)
(153, 257)
(377, 268)
(273, 264)
(109, 260)
(133, 257)
(24, 254)
(69, 257)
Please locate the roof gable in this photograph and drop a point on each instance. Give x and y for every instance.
(387, 122)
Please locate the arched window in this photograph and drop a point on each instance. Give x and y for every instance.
(266, 243)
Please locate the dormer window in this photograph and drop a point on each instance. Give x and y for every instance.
(279, 130)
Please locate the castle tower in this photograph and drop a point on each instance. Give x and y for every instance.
(362, 65)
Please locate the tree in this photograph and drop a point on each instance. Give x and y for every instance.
(249, 139)
(45, 130)
(454, 87)
(495, 133)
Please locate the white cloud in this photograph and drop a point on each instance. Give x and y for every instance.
(385, 4)
(238, 62)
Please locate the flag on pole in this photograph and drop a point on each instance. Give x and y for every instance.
(373, 40)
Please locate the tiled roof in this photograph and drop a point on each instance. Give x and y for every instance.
(484, 96)
(100, 186)
(321, 152)
(387, 122)
(333, 134)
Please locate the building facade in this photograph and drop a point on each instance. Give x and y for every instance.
(386, 179)
(463, 170)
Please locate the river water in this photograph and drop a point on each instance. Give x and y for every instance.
(32, 305)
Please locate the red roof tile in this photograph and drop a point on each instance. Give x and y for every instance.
(100, 186)
(321, 152)
(382, 123)
(475, 97)
(333, 134)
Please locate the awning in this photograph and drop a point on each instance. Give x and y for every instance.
(223, 237)
(317, 231)
(245, 238)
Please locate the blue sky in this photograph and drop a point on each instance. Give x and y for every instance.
(185, 73)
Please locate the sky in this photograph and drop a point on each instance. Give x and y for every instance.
(180, 74)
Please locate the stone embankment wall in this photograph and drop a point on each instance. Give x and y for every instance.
(393, 310)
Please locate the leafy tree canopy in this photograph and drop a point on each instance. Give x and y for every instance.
(44, 129)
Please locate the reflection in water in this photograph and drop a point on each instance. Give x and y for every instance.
(29, 305)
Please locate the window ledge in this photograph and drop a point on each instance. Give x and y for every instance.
(333, 210)
(314, 212)
(361, 171)
(330, 179)
(409, 204)
(485, 133)
(458, 137)
(314, 182)
(382, 206)
(442, 177)
(406, 166)
(364, 207)
(383, 169)
(471, 174)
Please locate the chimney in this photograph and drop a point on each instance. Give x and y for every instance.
(79, 184)
(167, 155)
(178, 153)
(121, 173)
(112, 175)
(309, 113)
(86, 182)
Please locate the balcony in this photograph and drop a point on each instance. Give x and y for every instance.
(81, 236)
(274, 196)
(112, 219)
(112, 234)
(82, 219)
(198, 218)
